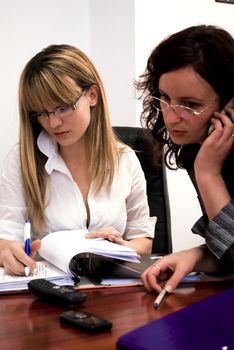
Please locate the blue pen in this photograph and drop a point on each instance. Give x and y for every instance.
(27, 238)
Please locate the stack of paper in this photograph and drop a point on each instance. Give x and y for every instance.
(9, 283)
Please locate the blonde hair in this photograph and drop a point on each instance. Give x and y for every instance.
(44, 82)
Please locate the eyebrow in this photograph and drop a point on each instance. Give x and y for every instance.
(184, 98)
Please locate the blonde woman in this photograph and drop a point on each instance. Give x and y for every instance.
(69, 171)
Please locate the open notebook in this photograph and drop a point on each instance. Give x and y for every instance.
(59, 248)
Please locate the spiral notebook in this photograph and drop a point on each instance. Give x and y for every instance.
(205, 325)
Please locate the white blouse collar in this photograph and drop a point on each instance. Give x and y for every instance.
(49, 148)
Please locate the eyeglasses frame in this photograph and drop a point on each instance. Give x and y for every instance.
(194, 113)
(45, 115)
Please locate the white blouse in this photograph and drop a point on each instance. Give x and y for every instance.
(125, 207)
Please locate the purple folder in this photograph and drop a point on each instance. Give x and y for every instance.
(205, 325)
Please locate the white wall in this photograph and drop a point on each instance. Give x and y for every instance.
(118, 36)
(103, 29)
(113, 52)
(27, 26)
(154, 20)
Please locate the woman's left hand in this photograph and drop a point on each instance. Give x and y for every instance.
(109, 233)
(209, 161)
(217, 146)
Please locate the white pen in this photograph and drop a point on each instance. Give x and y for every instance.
(159, 298)
(27, 239)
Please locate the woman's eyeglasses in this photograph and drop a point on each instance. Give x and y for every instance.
(182, 111)
(60, 112)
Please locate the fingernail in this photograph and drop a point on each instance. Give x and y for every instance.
(169, 289)
(27, 271)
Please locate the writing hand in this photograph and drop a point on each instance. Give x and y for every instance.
(14, 259)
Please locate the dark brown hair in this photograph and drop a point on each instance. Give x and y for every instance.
(209, 50)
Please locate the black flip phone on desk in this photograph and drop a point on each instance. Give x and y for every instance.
(86, 321)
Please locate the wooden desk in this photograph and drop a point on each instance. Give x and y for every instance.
(29, 323)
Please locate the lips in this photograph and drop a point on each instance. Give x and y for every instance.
(177, 132)
(61, 133)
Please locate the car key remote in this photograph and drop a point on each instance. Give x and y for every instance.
(55, 293)
(86, 321)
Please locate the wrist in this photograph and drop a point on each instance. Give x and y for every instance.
(206, 261)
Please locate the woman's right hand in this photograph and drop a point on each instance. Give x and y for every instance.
(14, 259)
(171, 269)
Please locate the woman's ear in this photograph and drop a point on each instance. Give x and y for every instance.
(93, 95)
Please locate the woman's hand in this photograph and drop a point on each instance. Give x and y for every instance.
(143, 246)
(209, 161)
(14, 259)
(217, 146)
(172, 268)
(109, 233)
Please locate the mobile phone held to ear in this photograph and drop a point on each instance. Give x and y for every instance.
(229, 104)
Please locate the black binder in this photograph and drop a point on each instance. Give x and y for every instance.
(96, 267)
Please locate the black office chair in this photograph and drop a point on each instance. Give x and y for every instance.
(156, 186)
